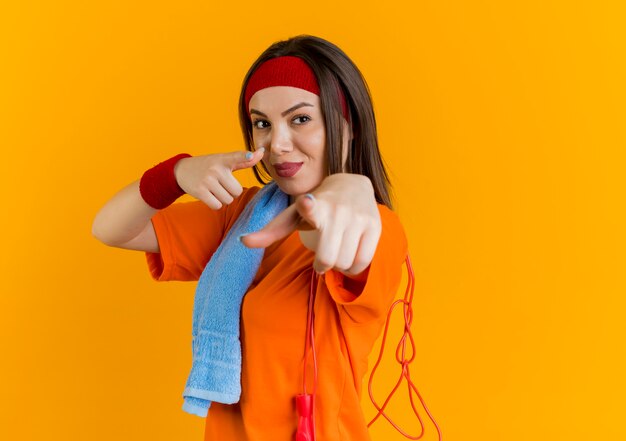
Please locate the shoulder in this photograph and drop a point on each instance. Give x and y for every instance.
(393, 240)
(390, 220)
(389, 216)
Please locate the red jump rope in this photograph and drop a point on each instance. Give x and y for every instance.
(305, 402)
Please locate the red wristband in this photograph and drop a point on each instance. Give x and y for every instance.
(158, 186)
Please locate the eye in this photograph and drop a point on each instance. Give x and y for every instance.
(307, 118)
(255, 123)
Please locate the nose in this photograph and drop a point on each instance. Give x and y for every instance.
(280, 140)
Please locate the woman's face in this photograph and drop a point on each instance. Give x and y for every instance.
(288, 122)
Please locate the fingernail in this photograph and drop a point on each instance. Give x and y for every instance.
(262, 149)
(240, 236)
(249, 155)
(310, 196)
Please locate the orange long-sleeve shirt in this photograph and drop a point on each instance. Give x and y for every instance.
(273, 323)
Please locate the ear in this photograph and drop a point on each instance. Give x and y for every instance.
(347, 137)
(347, 128)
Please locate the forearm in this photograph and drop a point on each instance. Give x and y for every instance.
(123, 217)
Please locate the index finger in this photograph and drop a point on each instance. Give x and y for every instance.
(239, 160)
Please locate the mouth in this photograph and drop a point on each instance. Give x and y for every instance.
(287, 169)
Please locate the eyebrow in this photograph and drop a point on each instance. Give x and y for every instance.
(289, 110)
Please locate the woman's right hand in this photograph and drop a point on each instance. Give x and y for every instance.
(210, 179)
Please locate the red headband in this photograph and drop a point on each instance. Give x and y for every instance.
(287, 71)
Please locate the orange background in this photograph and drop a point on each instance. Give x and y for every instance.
(502, 125)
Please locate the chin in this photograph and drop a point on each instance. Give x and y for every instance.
(293, 189)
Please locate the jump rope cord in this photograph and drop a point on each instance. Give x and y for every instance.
(401, 358)
(310, 336)
(308, 433)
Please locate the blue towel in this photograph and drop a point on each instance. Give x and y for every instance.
(216, 364)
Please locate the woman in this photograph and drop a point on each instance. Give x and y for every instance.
(309, 126)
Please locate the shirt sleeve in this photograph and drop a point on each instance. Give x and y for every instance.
(188, 234)
(383, 276)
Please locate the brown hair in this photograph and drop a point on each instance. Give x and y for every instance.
(333, 69)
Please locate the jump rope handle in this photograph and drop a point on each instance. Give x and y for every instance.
(304, 406)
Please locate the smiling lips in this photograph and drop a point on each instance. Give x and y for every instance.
(287, 169)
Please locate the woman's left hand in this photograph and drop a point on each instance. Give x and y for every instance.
(341, 225)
